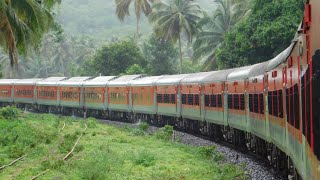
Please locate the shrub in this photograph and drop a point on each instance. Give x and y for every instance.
(207, 151)
(165, 133)
(92, 123)
(9, 112)
(144, 126)
(144, 158)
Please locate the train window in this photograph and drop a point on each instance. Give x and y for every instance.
(230, 101)
(242, 102)
(184, 99)
(261, 97)
(159, 98)
(190, 99)
(4, 92)
(316, 102)
(196, 99)
(207, 100)
(280, 102)
(173, 99)
(296, 107)
(220, 100)
(236, 101)
(256, 103)
(213, 100)
(251, 103)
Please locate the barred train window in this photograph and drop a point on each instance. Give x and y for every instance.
(166, 98)
(213, 100)
(256, 103)
(191, 99)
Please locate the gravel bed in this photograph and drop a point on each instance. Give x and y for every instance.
(256, 169)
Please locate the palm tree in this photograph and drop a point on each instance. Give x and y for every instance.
(22, 24)
(140, 6)
(173, 19)
(213, 29)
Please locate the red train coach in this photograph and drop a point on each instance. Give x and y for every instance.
(168, 95)
(47, 91)
(143, 95)
(119, 95)
(192, 97)
(25, 91)
(71, 92)
(95, 92)
(6, 90)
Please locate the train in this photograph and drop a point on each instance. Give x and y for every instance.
(271, 108)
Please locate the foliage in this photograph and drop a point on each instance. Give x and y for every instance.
(114, 59)
(122, 10)
(9, 112)
(22, 25)
(161, 56)
(164, 133)
(172, 19)
(144, 158)
(189, 67)
(207, 151)
(214, 27)
(144, 126)
(135, 69)
(267, 31)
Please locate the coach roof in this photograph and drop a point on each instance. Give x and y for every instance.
(74, 81)
(240, 73)
(259, 69)
(219, 76)
(124, 80)
(26, 81)
(99, 81)
(50, 81)
(146, 81)
(7, 81)
(280, 58)
(171, 79)
(197, 77)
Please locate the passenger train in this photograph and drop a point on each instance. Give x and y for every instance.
(271, 108)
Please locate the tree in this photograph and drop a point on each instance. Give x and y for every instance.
(213, 29)
(22, 24)
(171, 20)
(267, 31)
(140, 6)
(114, 59)
(161, 56)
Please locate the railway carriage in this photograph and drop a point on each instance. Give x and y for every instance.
(96, 94)
(25, 91)
(169, 95)
(6, 90)
(215, 98)
(71, 92)
(47, 91)
(237, 84)
(257, 93)
(143, 93)
(192, 97)
(119, 95)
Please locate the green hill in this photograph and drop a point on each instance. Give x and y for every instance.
(97, 18)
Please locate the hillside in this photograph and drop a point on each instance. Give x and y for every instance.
(97, 18)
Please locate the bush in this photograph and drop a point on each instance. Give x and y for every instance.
(207, 151)
(144, 126)
(9, 112)
(165, 133)
(92, 123)
(144, 158)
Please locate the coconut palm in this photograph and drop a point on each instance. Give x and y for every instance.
(174, 19)
(122, 10)
(213, 29)
(22, 24)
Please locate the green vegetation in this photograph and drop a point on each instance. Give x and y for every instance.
(267, 31)
(115, 59)
(172, 19)
(104, 152)
(22, 25)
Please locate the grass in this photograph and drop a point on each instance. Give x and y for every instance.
(104, 152)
